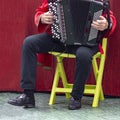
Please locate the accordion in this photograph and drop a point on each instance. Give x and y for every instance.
(72, 21)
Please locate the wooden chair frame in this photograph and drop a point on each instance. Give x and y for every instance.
(98, 69)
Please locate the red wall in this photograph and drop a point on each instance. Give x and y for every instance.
(17, 21)
(111, 82)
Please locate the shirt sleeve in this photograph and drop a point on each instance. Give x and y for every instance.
(112, 24)
(39, 11)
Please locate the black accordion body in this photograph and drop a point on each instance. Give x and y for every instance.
(72, 21)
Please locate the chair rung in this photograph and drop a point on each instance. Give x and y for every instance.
(69, 90)
(89, 91)
(90, 86)
(64, 90)
(69, 85)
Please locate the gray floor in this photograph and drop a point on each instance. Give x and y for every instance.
(109, 109)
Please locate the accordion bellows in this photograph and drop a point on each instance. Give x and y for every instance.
(72, 21)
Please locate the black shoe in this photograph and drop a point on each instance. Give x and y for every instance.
(23, 100)
(74, 104)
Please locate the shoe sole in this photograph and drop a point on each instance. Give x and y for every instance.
(14, 104)
(25, 105)
(74, 108)
(29, 106)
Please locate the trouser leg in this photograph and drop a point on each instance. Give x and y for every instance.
(83, 67)
(40, 43)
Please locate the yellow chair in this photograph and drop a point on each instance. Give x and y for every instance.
(98, 69)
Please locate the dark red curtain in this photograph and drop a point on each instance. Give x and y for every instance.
(17, 22)
(111, 82)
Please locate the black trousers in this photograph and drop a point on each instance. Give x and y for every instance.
(43, 43)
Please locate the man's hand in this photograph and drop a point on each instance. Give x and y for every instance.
(100, 24)
(47, 18)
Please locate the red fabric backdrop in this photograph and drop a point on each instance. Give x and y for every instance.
(17, 21)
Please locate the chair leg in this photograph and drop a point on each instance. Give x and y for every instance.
(101, 95)
(98, 90)
(96, 97)
(63, 76)
(55, 84)
(59, 73)
(98, 72)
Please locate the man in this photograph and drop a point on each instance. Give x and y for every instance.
(43, 43)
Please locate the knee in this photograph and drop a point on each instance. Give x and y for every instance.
(83, 55)
(27, 42)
